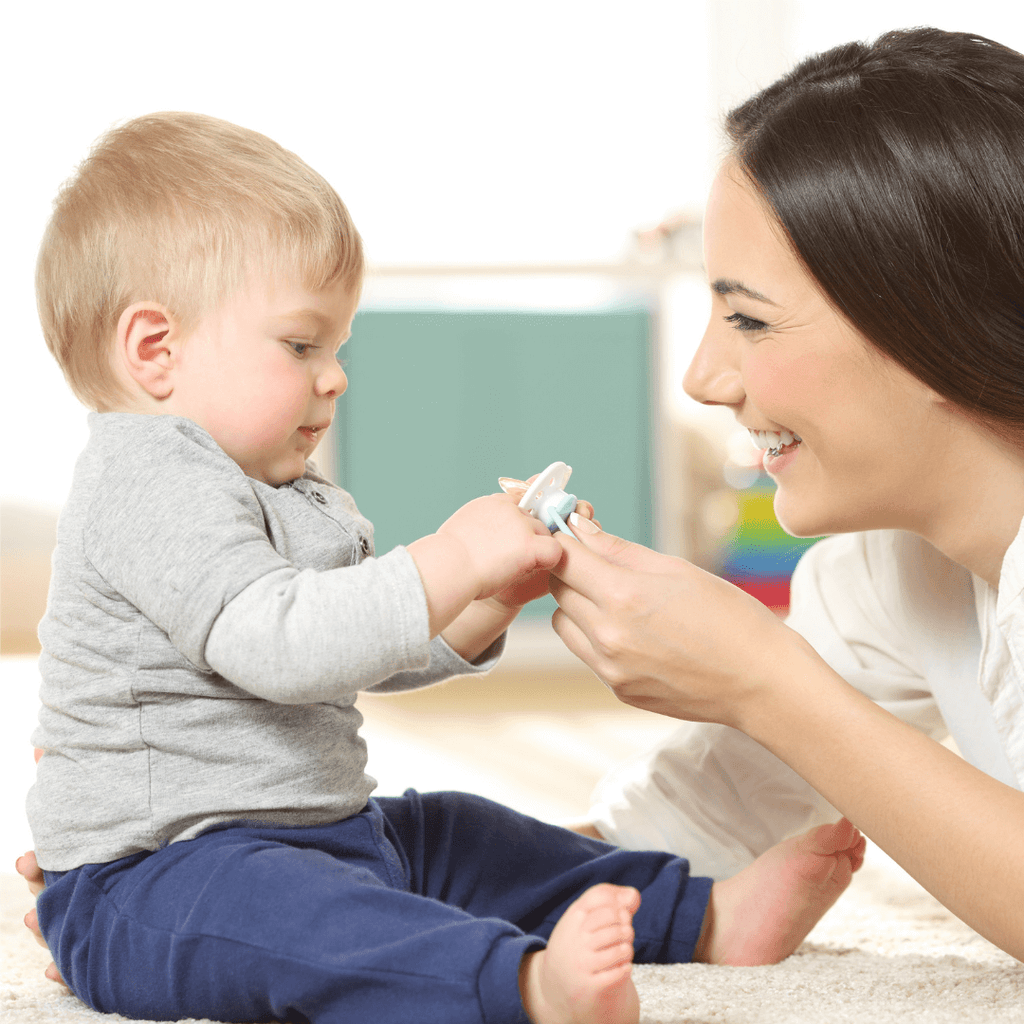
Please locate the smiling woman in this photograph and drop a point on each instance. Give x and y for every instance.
(779, 353)
(911, 228)
(863, 242)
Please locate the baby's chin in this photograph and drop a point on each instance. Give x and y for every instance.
(279, 472)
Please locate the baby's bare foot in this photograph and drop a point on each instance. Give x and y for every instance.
(762, 914)
(584, 974)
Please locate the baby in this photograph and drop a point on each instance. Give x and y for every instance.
(210, 844)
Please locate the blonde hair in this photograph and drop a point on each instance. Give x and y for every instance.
(180, 209)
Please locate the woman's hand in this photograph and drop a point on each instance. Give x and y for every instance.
(29, 869)
(664, 635)
(536, 584)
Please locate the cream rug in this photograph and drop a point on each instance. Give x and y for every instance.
(887, 952)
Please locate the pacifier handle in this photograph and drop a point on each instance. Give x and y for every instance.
(546, 499)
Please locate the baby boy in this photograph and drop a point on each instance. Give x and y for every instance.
(210, 843)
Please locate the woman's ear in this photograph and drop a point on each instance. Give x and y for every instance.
(148, 340)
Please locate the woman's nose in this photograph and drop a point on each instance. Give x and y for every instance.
(713, 376)
(332, 381)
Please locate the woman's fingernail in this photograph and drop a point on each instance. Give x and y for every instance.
(507, 484)
(578, 522)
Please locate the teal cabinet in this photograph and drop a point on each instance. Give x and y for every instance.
(443, 402)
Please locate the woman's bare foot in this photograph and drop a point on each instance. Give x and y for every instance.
(584, 974)
(762, 914)
(29, 869)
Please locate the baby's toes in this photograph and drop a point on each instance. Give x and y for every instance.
(615, 947)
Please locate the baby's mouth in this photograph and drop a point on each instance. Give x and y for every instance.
(774, 441)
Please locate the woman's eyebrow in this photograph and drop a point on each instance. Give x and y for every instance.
(727, 286)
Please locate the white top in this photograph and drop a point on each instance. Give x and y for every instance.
(936, 646)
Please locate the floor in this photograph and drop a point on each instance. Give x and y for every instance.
(536, 734)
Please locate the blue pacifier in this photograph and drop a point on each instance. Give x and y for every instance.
(546, 499)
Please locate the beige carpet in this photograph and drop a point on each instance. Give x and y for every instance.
(887, 952)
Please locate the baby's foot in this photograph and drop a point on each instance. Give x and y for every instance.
(584, 974)
(762, 914)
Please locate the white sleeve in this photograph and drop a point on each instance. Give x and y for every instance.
(713, 795)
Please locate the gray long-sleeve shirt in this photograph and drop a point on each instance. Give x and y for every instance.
(204, 640)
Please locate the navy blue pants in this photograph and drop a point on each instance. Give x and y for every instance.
(419, 908)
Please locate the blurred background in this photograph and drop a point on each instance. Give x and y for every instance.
(528, 178)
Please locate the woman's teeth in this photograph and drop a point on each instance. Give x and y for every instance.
(774, 440)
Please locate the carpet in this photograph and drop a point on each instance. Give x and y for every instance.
(886, 953)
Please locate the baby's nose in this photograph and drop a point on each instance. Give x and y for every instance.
(332, 382)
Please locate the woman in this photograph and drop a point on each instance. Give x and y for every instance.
(863, 242)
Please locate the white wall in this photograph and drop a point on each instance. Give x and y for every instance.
(461, 130)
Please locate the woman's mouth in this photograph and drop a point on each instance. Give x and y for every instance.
(774, 441)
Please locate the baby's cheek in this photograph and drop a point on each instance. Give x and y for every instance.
(275, 415)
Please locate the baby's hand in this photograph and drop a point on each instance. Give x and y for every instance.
(502, 545)
(537, 583)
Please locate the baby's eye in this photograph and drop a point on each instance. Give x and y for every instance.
(741, 322)
(300, 348)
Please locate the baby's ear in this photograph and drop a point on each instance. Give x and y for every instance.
(147, 345)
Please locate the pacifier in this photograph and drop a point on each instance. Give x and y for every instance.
(545, 499)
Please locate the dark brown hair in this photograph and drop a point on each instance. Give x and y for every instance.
(897, 170)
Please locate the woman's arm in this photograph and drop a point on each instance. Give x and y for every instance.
(670, 638)
(952, 827)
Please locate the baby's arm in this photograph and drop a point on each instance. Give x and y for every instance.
(229, 601)
(485, 551)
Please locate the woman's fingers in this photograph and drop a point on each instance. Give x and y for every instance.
(583, 569)
(27, 866)
(595, 566)
(53, 974)
(586, 510)
(32, 924)
(622, 552)
(574, 638)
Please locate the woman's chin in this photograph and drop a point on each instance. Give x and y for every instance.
(800, 520)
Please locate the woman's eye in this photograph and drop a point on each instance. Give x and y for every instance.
(741, 322)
